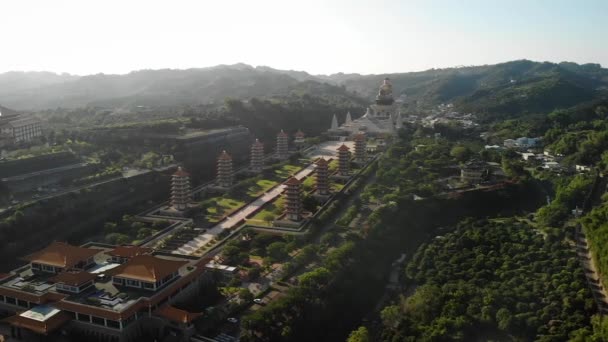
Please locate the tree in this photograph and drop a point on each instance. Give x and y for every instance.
(359, 335)
(245, 295)
(276, 251)
(504, 319)
(109, 227)
(268, 217)
(460, 153)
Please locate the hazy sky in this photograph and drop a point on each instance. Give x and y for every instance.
(318, 36)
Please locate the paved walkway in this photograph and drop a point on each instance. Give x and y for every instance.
(327, 150)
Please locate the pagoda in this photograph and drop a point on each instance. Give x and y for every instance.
(322, 176)
(360, 147)
(299, 139)
(224, 170)
(293, 199)
(257, 156)
(343, 160)
(282, 145)
(180, 189)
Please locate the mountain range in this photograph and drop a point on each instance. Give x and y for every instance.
(507, 89)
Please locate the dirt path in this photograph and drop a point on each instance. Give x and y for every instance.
(591, 271)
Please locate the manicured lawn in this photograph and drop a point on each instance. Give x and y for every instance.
(268, 209)
(308, 183)
(337, 186)
(287, 170)
(260, 187)
(223, 207)
(333, 165)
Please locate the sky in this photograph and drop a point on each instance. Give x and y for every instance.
(318, 36)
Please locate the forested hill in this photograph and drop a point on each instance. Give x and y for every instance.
(506, 89)
(153, 88)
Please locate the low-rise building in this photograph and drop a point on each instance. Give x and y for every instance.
(21, 129)
(80, 291)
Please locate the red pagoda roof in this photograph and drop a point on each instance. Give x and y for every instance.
(300, 134)
(359, 136)
(257, 142)
(321, 162)
(343, 148)
(292, 181)
(181, 173)
(225, 156)
(282, 134)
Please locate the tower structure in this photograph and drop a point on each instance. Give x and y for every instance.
(349, 119)
(224, 170)
(360, 147)
(293, 199)
(322, 176)
(257, 156)
(299, 139)
(384, 106)
(343, 160)
(180, 189)
(334, 123)
(282, 145)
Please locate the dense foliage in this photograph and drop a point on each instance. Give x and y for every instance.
(488, 279)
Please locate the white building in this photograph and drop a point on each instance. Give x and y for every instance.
(22, 129)
(381, 118)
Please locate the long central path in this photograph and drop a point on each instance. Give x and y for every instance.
(237, 217)
(325, 150)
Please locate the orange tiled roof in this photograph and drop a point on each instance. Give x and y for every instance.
(61, 254)
(39, 327)
(147, 268)
(129, 251)
(177, 315)
(73, 278)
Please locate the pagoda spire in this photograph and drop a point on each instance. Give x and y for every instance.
(349, 119)
(399, 122)
(334, 123)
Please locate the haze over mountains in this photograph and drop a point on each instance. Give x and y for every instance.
(506, 88)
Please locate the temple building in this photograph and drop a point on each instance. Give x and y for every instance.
(293, 199)
(80, 293)
(343, 160)
(282, 145)
(322, 177)
(360, 147)
(180, 190)
(380, 119)
(224, 170)
(299, 139)
(257, 156)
